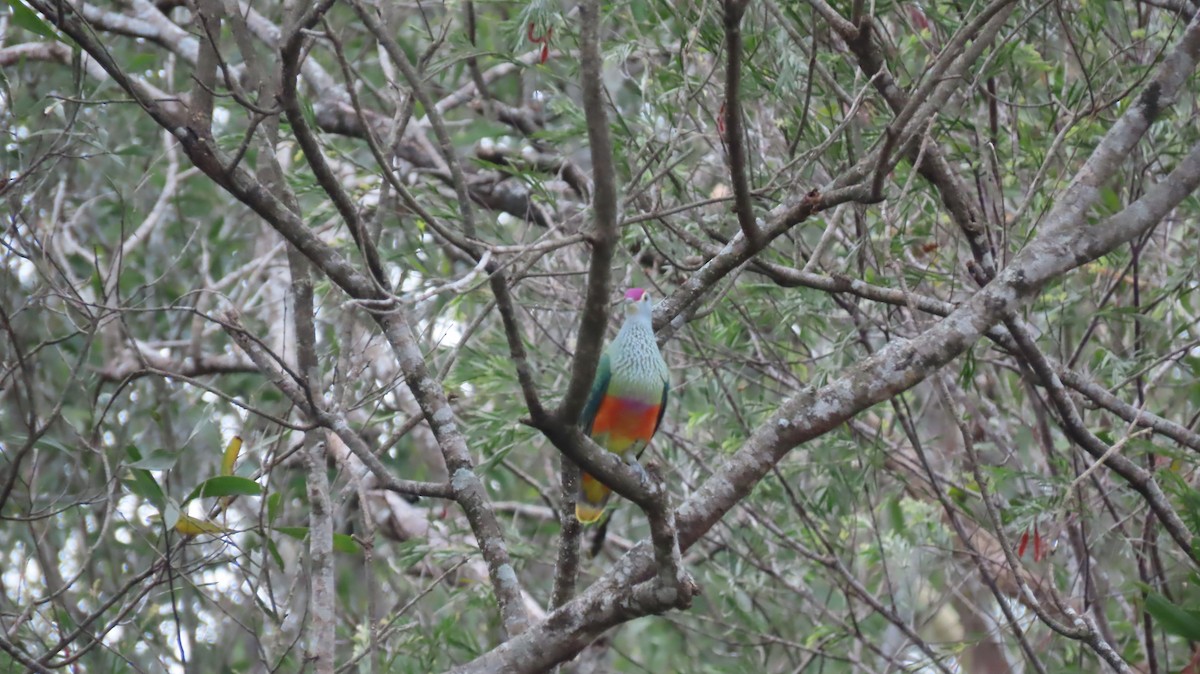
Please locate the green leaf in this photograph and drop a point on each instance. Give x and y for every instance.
(159, 459)
(1173, 619)
(273, 502)
(275, 553)
(299, 533)
(966, 376)
(346, 543)
(225, 485)
(26, 18)
(896, 515)
(143, 484)
(341, 542)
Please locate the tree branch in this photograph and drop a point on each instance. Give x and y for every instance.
(291, 57)
(900, 365)
(732, 110)
(594, 318)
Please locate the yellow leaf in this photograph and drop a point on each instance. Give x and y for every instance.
(190, 526)
(231, 455)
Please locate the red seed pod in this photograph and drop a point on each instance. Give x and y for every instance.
(543, 40)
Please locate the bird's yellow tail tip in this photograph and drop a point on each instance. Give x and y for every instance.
(586, 514)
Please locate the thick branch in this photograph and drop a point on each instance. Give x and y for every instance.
(900, 365)
(1092, 390)
(566, 565)
(1137, 477)
(467, 487)
(335, 422)
(671, 314)
(732, 109)
(594, 318)
(648, 492)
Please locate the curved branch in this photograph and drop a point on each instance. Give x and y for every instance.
(732, 109)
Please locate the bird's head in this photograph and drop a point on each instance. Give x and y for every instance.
(637, 303)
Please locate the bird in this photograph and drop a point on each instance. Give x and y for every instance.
(627, 400)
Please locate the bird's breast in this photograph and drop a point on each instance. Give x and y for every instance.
(623, 420)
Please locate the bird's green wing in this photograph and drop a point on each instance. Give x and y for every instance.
(599, 386)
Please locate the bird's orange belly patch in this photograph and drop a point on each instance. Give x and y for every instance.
(624, 422)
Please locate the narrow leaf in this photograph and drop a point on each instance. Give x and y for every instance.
(190, 526)
(299, 533)
(159, 459)
(142, 483)
(275, 553)
(273, 503)
(341, 542)
(225, 485)
(1173, 619)
(346, 543)
(26, 18)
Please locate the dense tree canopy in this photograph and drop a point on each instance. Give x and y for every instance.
(925, 277)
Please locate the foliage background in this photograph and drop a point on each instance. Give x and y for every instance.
(867, 548)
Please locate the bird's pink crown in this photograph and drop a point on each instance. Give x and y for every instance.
(634, 294)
